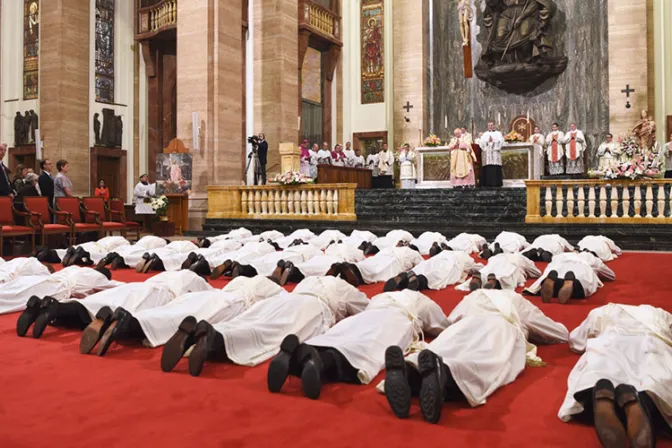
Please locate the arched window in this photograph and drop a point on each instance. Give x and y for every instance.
(31, 48)
(105, 51)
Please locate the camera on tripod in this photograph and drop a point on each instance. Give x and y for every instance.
(254, 140)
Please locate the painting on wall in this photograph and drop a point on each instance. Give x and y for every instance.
(373, 61)
(31, 48)
(105, 51)
(173, 173)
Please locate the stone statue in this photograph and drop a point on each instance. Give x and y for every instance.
(119, 131)
(96, 128)
(34, 124)
(645, 130)
(19, 139)
(27, 128)
(109, 128)
(466, 15)
(517, 54)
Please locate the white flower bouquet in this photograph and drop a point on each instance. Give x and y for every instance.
(160, 205)
(292, 178)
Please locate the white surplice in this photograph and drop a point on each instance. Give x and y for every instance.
(395, 318)
(387, 263)
(98, 249)
(244, 255)
(491, 150)
(486, 343)
(510, 242)
(73, 281)
(603, 247)
(326, 238)
(447, 268)
(315, 305)
(319, 265)
(587, 268)
(554, 244)
(511, 270)
(425, 241)
(21, 267)
(153, 292)
(214, 306)
(304, 235)
(392, 238)
(626, 345)
(467, 242)
(266, 264)
(142, 192)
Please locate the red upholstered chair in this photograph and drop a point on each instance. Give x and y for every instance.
(8, 224)
(117, 212)
(91, 222)
(41, 213)
(97, 205)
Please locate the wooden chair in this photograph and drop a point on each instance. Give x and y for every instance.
(74, 210)
(41, 214)
(97, 205)
(117, 211)
(8, 224)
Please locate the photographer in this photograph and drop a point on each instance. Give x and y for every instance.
(258, 158)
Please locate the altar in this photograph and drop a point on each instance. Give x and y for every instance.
(520, 162)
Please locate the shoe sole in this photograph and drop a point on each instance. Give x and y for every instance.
(199, 354)
(41, 323)
(91, 335)
(176, 346)
(609, 429)
(391, 285)
(278, 370)
(311, 383)
(28, 316)
(108, 337)
(397, 389)
(547, 288)
(431, 401)
(566, 291)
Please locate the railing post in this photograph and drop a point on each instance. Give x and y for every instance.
(626, 201)
(649, 201)
(582, 202)
(661, 201)
(613, 196)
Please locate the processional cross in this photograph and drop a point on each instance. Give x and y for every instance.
(408, 107)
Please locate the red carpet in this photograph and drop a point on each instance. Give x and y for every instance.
(51, 395)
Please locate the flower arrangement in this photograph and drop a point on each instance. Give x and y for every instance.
(160, 205)
(513, 137)
(432, 141)
(292, 178)
(635, 164)
(629, 146)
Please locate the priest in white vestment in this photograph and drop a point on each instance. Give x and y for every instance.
(349, 155)
(407, 171)
(197, 260)
(555, 151)
(319, 265)
(507, 242)
(391, 239)
(601, 246)
(539, 142)
(324, 157)
(546, 246)
(222, 264)
(385, 162)
(22, 267)
(575, 146)
(315, 305)
(357, 160)
(143, 192)
(372, 164)
(384, 265)
(470, 243)
(353, 350)
(503, 271)
(312, 161)
(268, 264)
(445, 268)
(625, 369)
(488, 343)
(462, 159)
(609, 153)
(571, 276)
(427, 240)
(153, 261)
(491, 143)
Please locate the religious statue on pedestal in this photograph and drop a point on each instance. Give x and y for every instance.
(466, 16)
(407, 170)
(608, 152)
(645, 130)
(517, 54)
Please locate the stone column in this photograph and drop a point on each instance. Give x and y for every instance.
(276, 75)
(210, 81)
(64, 87)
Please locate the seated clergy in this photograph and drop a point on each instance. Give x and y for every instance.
(353, 350)
(487, 344)
(254, 336)
(571, 276)
(621, 382)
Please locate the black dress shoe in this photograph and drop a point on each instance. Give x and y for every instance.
(222, 269)
(28, 316)
(532, 254)
(191, 259)
(201, 267)
(432, 387)
(69, 253)
(207, 339)
(47, 314)
(639, 428)
(282, 364)
(178, 344)
(155, 264)
(116, 330)
(140, 267)
(498, 249)
(291, 274)
(476, 282)
(486, 254)
(107, 259)
(311, 371)
(435, 250)
(95, 330)
(335, 270)
(118, 263)
(396, 283)
(610, 430)
(546, 256)
(83, 258)
(397, 389)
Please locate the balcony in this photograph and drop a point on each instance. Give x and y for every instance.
(157, 19)
(321, 21)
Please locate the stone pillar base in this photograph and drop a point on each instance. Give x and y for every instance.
(290, 157)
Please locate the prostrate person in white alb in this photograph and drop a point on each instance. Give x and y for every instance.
(487, 344)
(384, 265)
(506, 242)
(392, 239)
(22, 267)
(271, 264)
(118, 258)
(600, 246)
(90, 253)
(621, 382)
(470, 243)
(443, 269)
(545, 247)
(316, 304)
(427, 240)
(317, 266)
(154, 261)
(571, 276)
(223, 264)
(503, 271)
(353, 350)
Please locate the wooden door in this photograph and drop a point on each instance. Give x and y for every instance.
(109, 170)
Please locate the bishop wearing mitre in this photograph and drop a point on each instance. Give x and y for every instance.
(555, 151)
(462, 160)
(575, 145)
(608, 152)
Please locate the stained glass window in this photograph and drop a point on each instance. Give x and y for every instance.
(105, 51)
(31, 48)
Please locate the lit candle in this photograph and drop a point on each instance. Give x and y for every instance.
(446, 125)
(528, 116)
(299, 125)
(499, 119)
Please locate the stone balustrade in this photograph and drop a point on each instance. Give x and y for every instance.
(599, 202)
(321, 202)
(157, 17)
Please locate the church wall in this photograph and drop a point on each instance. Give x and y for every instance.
(358, 117)
(124, 60)
(580, 94)
(11, 67)
(663, 66)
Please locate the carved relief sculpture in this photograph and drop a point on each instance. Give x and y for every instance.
(96, 129)
(34, 125)
(518, 50)
(19, 138)
(645, 130)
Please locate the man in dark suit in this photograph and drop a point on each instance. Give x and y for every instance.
(6, 188)
(263, 156)
(46, 181)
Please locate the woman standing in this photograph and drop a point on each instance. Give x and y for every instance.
(102, 190)
(62, 184)
(18, 181)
